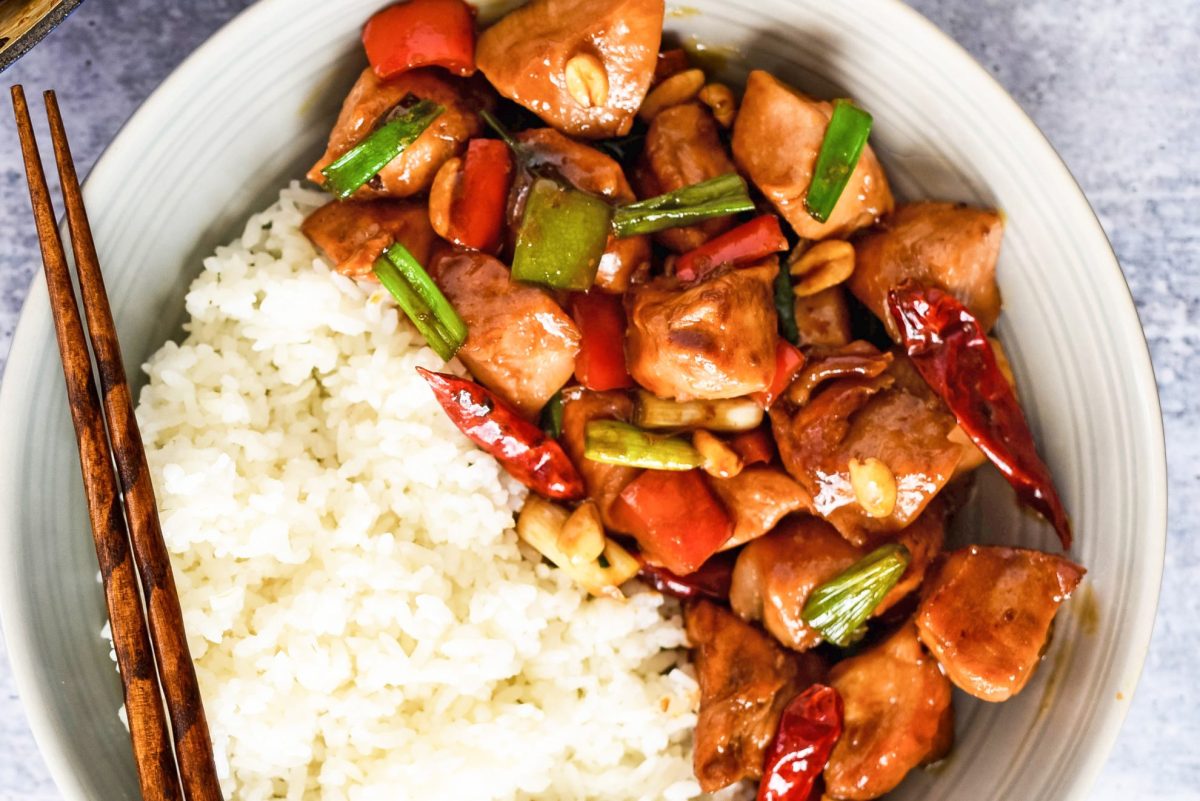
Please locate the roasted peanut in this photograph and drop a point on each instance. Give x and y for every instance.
(719, 98)
(587, 80)
(823, 265)
(441, 196)
(874, 486)
(720, 460)
(679, 88)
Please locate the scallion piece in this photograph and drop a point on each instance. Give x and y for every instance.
(419, 297)
(839, 607)
(844, 141)
(561, 238)
(716, 197)
(614, 442)
(726, 414)
(363, 162)
(785, 305)
(552, 416)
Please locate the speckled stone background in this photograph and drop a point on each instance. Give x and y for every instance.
(1115, 84)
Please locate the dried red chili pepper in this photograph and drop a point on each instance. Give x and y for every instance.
(748, 242)
(952, 353)
(808, 730)
(670, 62)
(522, 448)
(712, 580)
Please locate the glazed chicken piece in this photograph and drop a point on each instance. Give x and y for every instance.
(604, 482)
(355, 233)
(776, 139)
(583, 66)
(947, 245)
(898, 716)
(520, 343)
(370, 103)
(901, 436)
(683, 148)
(757, 498)
(823, 319)
(986, 615)
(746, 679)
(589, 170)
(709, 339)
(775, 575)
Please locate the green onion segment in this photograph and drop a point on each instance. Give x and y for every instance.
(785, 305)
(363, 162)
(552, 416)
(841, 148)
(614, 442)
(419, 297)
(840, 607)
(716, 197)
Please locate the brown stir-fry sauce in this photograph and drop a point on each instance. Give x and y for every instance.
(676, 280)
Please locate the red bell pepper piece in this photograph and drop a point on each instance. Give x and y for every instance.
(421, 33)
(675, 517)
(950, 350)
(755, 447)
(748, 242)
(788, 361)
(808, 730)
(712, 580)
(480, 204)
(600, 364)
(522, 448)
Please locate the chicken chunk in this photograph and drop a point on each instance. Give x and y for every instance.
(986, 615)
(355, 233)
(746, 680)
(591, 171)
(369, 104)
(533, 56)
(682, 148)
(757, 498)
(950, 246)
(711, 339)
(776, 139)
(604, 482)
(866, 418)
(823, 319)
(898, 716)
(520, 343)
(775, 575)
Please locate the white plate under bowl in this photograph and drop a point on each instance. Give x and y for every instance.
(250, 109)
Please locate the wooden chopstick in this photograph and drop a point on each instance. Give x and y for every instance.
(193, 746)
(147, 723)
(139, 648)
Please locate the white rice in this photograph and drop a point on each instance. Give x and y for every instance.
(364, 623)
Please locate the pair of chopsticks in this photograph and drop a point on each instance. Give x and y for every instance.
(108, 435)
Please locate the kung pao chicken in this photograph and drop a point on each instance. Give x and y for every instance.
(721, 356)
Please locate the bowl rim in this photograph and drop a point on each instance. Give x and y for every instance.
(35, 316)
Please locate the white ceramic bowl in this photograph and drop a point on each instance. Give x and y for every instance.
(250, 109)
